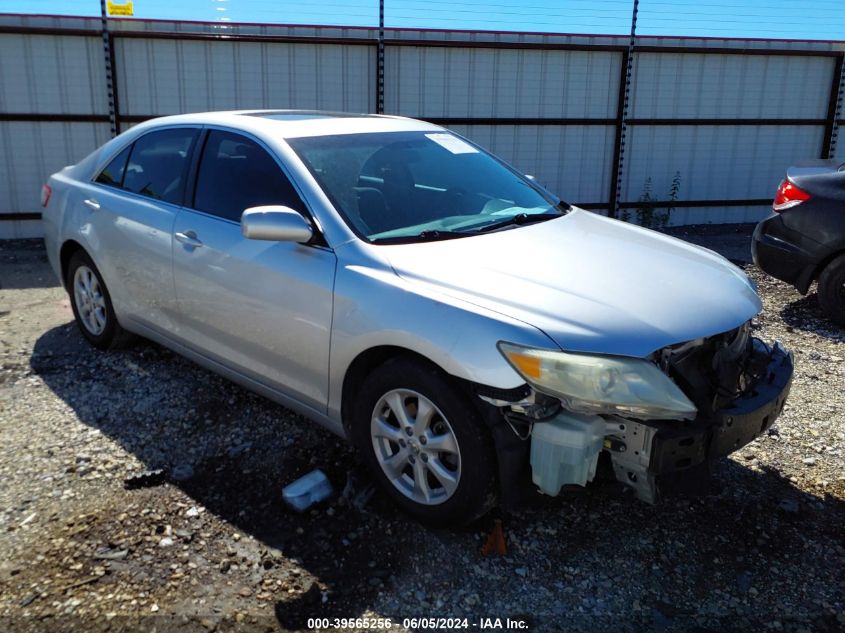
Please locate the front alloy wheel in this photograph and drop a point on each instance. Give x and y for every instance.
(416, 447)
(424, 442)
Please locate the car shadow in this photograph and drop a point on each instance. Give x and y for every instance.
(242, 449)
(766, 549)
(24, 265)
(806, 314)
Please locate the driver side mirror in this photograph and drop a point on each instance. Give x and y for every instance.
(276, 224)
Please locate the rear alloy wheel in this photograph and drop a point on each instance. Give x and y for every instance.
(89, 299)
(425, 443)
(91, 304)
(832, 290)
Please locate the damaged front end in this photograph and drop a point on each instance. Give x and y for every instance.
(714, 395)
(739, 386)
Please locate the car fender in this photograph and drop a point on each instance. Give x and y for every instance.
(832, 251)
(374, 307)
(73, 223)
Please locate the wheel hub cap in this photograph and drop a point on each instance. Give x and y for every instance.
(416, 446)
(90, 301)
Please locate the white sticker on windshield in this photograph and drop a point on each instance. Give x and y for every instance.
(452, 143)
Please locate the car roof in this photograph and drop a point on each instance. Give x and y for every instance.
(298, 123)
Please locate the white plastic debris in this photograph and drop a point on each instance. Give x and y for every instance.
(307, 490)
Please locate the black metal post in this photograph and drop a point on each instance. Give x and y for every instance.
(108, 55)
(834, 109)
(380, 60)
(622, 117)
(613, 198)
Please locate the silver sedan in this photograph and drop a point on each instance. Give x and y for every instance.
(475, 337)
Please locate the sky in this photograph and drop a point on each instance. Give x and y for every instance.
(777, 19)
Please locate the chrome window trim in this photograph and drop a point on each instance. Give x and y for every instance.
(103, 162)
(189, 201)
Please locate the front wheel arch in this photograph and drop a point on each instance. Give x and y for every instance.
(511, 452)
(367, 361)
(478, 490)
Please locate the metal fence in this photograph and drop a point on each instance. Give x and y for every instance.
(669, 130)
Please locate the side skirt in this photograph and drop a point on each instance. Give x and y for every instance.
(335, 426)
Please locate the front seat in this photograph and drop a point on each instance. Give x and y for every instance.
(397, 188)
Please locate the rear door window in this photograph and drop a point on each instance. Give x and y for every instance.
(112, 175)
(158, 164)
(235, 173)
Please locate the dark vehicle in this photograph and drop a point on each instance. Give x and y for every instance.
(804, 240)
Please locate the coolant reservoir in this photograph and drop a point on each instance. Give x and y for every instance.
(565, 450)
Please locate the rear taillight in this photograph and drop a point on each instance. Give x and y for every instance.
(788, 196)
(46, 192)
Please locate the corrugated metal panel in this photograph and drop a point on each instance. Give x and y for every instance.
(716, 215)
(571, 161)
(716, 162)
(244, 28)
(453, 82)
(185, 26)
(493, 37)
(512, 37)
(169, 76)
(30, 152)
(20, 229)
(738, 43)
(730, 86)
(49, 21)
(52, 74)
(506, 37)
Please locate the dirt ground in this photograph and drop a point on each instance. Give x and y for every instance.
(89, 543)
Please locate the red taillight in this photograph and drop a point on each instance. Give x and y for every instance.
(788, 196)
(46, 192)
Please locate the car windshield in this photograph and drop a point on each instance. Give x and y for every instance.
(412, 186)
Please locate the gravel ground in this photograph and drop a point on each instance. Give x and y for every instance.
(211, 546)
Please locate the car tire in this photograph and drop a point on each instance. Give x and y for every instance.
(832, 290)
(92, 305)
(438, 466)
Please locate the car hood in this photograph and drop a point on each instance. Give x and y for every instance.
(592, 284)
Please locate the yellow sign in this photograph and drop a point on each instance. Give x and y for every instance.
(120, 9)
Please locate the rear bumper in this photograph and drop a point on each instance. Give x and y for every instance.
(779, 253)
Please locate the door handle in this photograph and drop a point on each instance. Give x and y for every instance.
(189, 239)
(91, 204)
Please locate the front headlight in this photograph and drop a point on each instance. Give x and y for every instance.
(601, 384)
